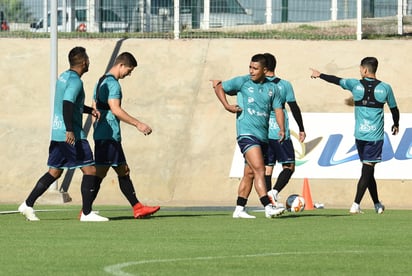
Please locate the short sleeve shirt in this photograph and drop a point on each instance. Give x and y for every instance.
(286, 95)
(69, 87)
(369, 121)
(108, 126)
(256, 100)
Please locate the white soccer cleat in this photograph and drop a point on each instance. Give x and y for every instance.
(241, 213)
(92, 217)
(272, 212)
(355, 209)
(28, 212)
(379, 208)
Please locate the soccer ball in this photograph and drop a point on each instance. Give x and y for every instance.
(295, 203)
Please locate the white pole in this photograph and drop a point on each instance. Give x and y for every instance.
(64, 17)
(45, 10)
(177, 19)
(206, 15)
(334, 10)
(53, 65)
(400, 17)
(268, 12)
(359, 20)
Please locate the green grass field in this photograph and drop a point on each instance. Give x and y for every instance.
(205, 241)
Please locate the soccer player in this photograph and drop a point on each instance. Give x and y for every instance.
(369, 95)
(281, 151)
(107, 135)
(256, 97)
(69, 147)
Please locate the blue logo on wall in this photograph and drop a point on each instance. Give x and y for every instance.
(403, 152)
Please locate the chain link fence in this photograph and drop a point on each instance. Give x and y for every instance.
(172, 19)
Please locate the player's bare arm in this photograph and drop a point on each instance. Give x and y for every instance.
(280, 119)
(221, 95)
(123, 116)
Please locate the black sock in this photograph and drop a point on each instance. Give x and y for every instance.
(265, 200)
(283, 179)
(96, 188)
(42, 185)
(87, 190)
(241, 201)
(268, 181)
(126, 186)
(365, 179)
(373, 191)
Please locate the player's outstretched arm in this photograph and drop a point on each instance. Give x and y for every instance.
(221, 95)
(329, 78)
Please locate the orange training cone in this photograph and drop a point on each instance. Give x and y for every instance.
(307, 196)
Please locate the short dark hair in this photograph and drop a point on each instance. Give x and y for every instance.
(270, 61)
(127, 59)
(371, 63)
(259, 58)
(77, 55)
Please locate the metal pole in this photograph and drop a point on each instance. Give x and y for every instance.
(400, 17)
(53, 65)
(334, 10)
(359, 20)
(176, 26)
(268, 12)
(206, 15)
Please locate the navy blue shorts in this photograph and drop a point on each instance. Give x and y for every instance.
(281, 152)
(109, 153)
(247, 142)
(65, 156)
(369, 151)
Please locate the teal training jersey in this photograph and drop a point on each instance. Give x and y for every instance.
(369, 121)
(286, 95)
(256, 100)
(108, 126)
(69, 87)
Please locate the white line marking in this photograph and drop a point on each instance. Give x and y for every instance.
(117, 268)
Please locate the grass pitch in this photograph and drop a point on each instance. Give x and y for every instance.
(205, 241)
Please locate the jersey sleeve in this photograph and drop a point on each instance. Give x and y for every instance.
(391, 97)
(277, 100)
(348, 84)
(115, 92)
(74, 87)
(233, 85)
(290, 94)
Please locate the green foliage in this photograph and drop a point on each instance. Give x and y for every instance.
(15, 11)
(206, 241)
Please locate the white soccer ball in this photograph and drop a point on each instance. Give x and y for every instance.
(295, 203)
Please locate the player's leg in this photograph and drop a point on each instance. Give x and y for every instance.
(83, 159)
(254, 157)
(127, 188)
(244, 189)
(26, 208)
(55, 161)
(285, 154)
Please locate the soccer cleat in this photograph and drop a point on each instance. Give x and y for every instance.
(28, 212)
(271, 211)
(274, 198)
(141, 211)
(379, 208)
(241, 213)
(81, 212)
(92, 217)
(355, 209)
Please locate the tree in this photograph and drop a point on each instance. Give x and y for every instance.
(16, 11)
